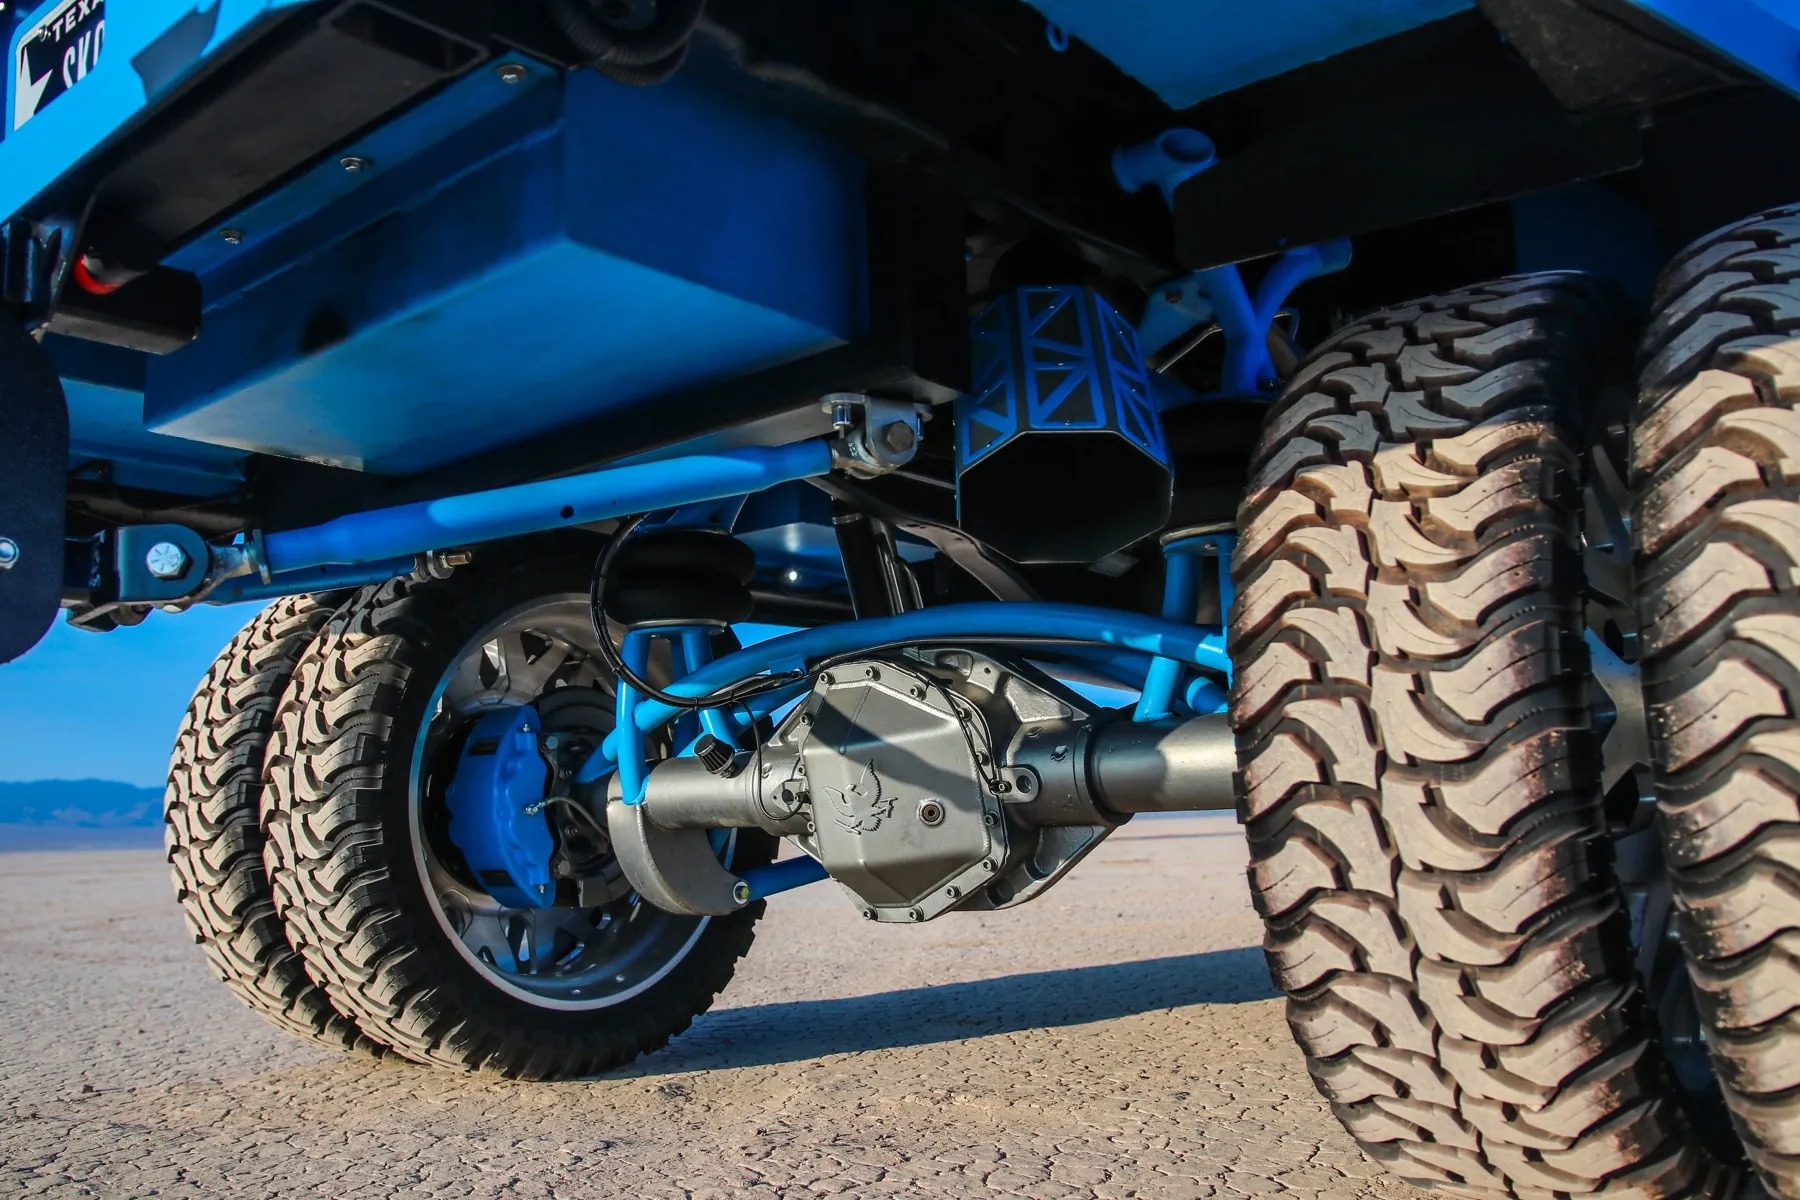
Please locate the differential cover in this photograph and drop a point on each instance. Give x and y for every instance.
(903, 816)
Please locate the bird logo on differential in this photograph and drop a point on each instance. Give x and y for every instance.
(861, 807)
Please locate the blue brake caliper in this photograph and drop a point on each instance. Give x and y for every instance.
(496, 802)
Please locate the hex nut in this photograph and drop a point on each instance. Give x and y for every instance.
(166, 560)
(898, 437)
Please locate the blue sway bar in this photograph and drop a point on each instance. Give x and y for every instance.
(392, 533)
(987, 620)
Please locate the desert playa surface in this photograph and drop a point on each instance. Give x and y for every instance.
(1117, 1038)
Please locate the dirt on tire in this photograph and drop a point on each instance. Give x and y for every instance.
(1420, 771)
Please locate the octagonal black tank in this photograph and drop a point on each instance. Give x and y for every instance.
(1061, 455)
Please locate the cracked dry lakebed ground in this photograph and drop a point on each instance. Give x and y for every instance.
(1116, 1038)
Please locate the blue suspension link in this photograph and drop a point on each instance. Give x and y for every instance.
(1185, 554)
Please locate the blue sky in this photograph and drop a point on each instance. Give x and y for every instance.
(105, 706)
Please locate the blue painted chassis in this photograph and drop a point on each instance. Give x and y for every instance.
(246, 391)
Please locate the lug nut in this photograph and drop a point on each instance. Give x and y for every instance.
(166, 560)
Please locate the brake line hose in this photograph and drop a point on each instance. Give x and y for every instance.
(639, 57)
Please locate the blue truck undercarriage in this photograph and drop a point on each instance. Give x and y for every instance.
(1056, 370)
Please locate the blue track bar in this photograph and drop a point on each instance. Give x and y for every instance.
(314, 579)
(387, 533)
(990, 619)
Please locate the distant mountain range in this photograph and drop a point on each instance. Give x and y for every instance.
(80, 804)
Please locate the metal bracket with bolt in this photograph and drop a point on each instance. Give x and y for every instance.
(874, 436)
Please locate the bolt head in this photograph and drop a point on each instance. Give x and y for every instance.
(868, 914)
(231, 237)
(551, 742)
(511, 72)
(898, 437)
(915, 914)
(354, 163)
(990, 819)
(988, 865)
(871, 673)
(740, 892)
(166, 560)
(9, 554)
(954, 892)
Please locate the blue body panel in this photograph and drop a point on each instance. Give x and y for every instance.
(1187, 51)
(513, 258)
(1763, 36)
(151, 46)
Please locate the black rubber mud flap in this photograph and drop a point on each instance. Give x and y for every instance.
(34, 461)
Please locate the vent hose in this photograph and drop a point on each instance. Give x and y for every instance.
(638, 57)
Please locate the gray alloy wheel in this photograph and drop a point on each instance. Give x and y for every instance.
(390, 921)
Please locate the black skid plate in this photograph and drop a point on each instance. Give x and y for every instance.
(34, 461)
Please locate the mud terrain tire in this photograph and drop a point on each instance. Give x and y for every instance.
(1716, 479)
(1420, 773)
(213, 831)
